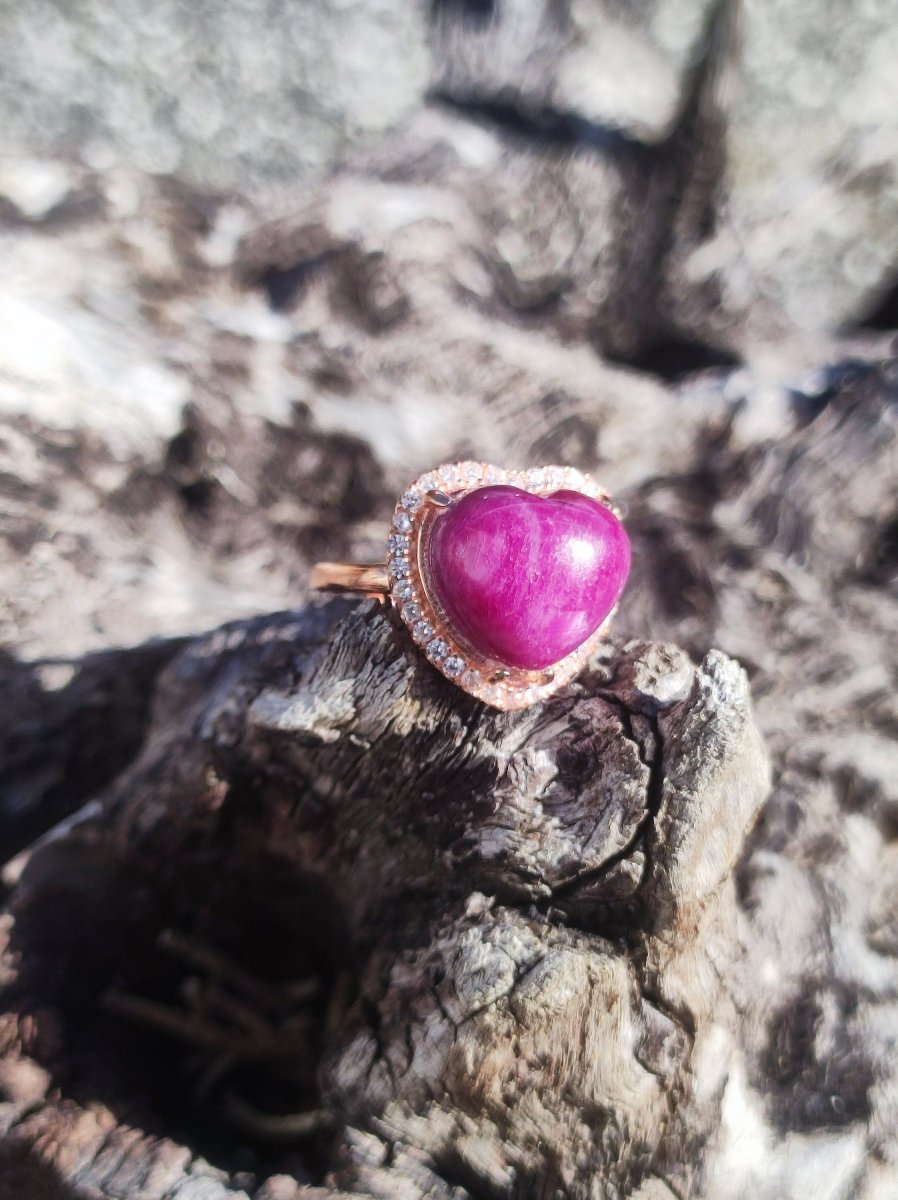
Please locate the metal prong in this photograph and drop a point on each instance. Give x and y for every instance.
(438, 499)
(498, 676)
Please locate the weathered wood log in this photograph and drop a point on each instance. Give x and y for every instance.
(519, 920)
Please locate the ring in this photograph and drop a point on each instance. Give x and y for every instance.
(507, 580)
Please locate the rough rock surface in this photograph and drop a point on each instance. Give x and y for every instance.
(261, 96)
(266, 90)
(196, 402)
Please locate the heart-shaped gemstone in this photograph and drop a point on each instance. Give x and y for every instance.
(525, 579)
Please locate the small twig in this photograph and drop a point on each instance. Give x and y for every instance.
(280, 1126)
(300, 991)
(186, 1027)
(220, 1066)
(219, 967)
(173, 1021)
(214, 963)
(193, 993)
(235, 1010)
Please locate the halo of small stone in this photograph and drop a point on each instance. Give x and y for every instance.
(502, 687)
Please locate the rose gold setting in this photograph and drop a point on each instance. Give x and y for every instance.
(494, 683)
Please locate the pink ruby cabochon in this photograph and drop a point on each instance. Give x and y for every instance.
(523, 579)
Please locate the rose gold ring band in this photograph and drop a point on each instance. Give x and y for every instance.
(370, 578)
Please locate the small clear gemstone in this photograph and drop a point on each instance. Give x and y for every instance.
(472, 471)
(535, 477)
(472, 678)
(398, 543)
(411, 612)
(453, 666)
(402, 521)
(425, 483)
(399, 567)
(404, 590)
(423, 631)
(437, 649)
(494, 475)
(449, 475)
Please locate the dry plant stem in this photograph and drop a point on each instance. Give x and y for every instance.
(171, 1021)
(236, 1011)
(281, 1126)
(206, 958)
(258, 1042)
(211, 1075)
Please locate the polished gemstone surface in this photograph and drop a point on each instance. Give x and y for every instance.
(526, 579)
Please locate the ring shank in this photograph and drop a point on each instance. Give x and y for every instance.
(370, 578)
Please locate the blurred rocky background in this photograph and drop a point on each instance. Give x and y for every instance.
(261, 99)
(528, 150)
(266, 260)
